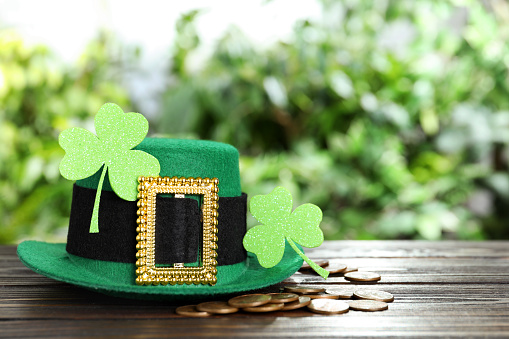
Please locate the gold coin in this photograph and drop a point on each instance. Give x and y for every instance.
(321, 262)
(249, 300)
(368, 305)
(335, 268)
(219, 307)
(191, 311)
(327, 306)
(362, 276)
(350, 269)
(303, 289)
(374, 295)
(299, 303)
(277, 298)
(341, 293)
(265, 308)
(322, 296)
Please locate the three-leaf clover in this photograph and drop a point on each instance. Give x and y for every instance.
(301, 226)
(117, 132)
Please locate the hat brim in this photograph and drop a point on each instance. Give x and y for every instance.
(118, 279)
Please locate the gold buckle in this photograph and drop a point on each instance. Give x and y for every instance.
(147, 273)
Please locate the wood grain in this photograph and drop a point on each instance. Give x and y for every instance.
(441, 289)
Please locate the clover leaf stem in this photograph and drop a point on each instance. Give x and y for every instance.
(94, 222)
(323, 273)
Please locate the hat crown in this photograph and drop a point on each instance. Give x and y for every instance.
(188, 158)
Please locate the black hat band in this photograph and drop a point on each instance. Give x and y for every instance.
(178, 228)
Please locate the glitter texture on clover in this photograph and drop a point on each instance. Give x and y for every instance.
(279, 223)
(86, 153)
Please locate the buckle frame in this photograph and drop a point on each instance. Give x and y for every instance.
(147, 273)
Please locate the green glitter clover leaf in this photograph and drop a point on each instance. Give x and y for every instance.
(301, 226)
(117, 132)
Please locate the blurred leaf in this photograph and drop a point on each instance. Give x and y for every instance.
(38, 98)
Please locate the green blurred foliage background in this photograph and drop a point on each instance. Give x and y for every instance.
(391, 116)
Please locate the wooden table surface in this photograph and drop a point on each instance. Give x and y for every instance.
(441, 289)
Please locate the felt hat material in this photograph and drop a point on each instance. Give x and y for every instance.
(117, 279)
(188, 158)
(181, 158)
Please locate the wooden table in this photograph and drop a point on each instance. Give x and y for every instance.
(441, 289)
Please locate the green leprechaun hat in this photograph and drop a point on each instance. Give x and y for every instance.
(157, 218)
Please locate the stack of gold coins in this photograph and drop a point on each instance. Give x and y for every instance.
(253, 303)
(330, 301)
(326, 301)
(317, 300)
